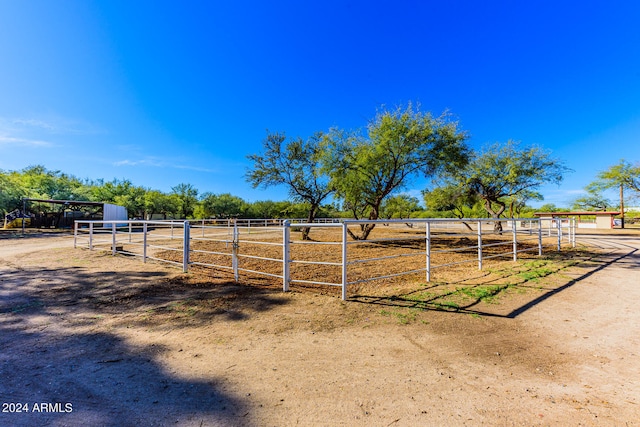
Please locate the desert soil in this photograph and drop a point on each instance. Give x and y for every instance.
(88, 339)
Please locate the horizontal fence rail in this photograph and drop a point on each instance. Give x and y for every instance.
(265, 247)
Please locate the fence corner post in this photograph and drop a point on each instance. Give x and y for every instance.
(235, 244)
(186, 247)
(113, 238)
(479, 245)
(144, 241)
(515, 239)
(539, 236)
(91, 236)
(428, 249)
(344, 261)
(286, 247)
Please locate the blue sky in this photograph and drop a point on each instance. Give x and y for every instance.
(162, 93)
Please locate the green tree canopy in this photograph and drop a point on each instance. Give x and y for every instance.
(456, 199)
(400, 206)
(621, 176)
(120, 192)
(268, 209)
(40, 183)
(187, 196)
(397, 146)
(594, 200)
(11, 193)
(623, 173)
(222, 206)
(505, 173)
(157, 202)
(296, 165)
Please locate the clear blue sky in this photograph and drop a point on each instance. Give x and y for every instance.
(162, 92)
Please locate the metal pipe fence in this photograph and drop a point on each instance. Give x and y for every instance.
(266, 248)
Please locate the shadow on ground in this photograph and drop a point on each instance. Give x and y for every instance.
(48, 353)
(98, 380)
(465, 296)
(195, 299)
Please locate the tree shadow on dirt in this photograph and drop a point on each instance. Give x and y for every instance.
(463, 299)
(96, 379)
(49, 355)
(140, 295)
(16, 233)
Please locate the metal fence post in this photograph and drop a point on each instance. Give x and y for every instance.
(286, 234)
(344, 261)
(559, 227)
(234, 251)
(75, 234)
(428, 248)
(113, 238)
(515, 239)
(539, 236)
(573, 227)
(479, 245)
(186, 246)
(91, 236)
(130, 231)
(144, 242)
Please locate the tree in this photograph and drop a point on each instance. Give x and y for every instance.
(41, 183)
(222, 206)
(620, 176)
(400, 206)
(397, 146)
(594, 200)
(267, 209)
(450, 198)
(187, 196)
(158, 202)
(296, 165)
(11, 194)
(518, 202)
(122, 193)
(504, 172)
(548, 207)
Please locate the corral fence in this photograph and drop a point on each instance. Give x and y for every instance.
(272, 248)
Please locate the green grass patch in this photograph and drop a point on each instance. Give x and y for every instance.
(404, 317)
(485, 293)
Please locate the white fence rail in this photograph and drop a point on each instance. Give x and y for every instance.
(265, 247)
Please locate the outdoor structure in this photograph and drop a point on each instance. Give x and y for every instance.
(48, 213)
(267, 248)
(603, 219)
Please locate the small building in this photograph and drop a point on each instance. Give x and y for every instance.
(47, 213)
(603, 219)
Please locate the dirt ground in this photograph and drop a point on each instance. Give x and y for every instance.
(91, 339)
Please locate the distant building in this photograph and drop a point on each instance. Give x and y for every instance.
(603, 219)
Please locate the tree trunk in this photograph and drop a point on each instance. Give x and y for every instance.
(497, 225)
(310, 218)
(365, 229)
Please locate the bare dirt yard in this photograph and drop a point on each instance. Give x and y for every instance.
(89, 339)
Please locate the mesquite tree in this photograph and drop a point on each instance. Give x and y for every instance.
(620, 176)
(397, 145)
(296, 165)
(505, 172)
